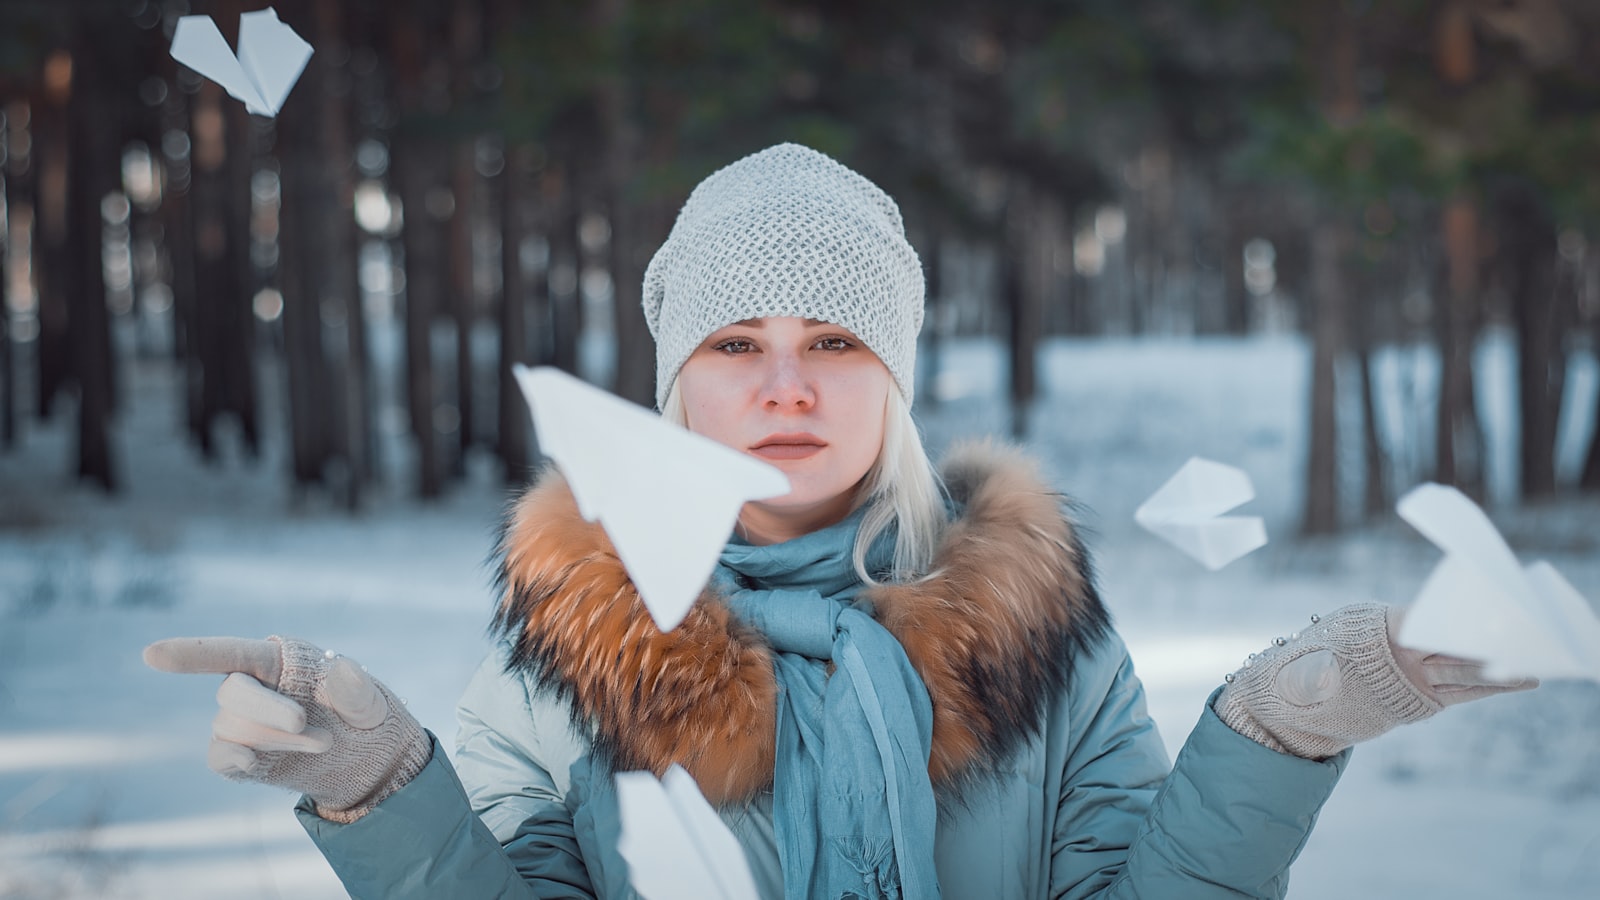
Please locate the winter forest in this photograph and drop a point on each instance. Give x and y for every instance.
(255, 371)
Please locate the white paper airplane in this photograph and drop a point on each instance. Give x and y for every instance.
(271, 57)
(1481, 603)
(668, 498)
(1188, 510)
(675, 845)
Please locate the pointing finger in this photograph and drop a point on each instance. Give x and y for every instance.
(219, 655)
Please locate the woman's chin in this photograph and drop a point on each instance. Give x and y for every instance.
(805, 503)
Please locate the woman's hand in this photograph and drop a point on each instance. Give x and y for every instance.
(1344, 680)
(1447, 679)
(296, 716)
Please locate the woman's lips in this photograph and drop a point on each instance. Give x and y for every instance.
(787, 451)
(798, 448)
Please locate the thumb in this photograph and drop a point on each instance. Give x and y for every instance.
(1310, 679)
(354, 696)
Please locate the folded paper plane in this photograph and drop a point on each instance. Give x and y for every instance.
(270, 59)
(667, 498)
(1481, 603)
(1188, 510)
(675, 845)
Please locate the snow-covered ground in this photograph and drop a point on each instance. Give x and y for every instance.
(103, 786)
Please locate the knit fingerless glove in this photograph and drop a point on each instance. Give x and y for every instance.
(1333, 685)
(376, 750)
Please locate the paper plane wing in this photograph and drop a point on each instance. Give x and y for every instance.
(667, 498)
(270, 59)
(674, 843)
(1481, 604)
(273, 55)
(198, 44)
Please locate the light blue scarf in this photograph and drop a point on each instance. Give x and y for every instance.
(853, 808)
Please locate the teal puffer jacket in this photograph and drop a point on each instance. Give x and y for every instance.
(1090, 809)
(1051, 778)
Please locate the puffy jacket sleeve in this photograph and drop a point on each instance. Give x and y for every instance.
(501, 829)
(422, 841)
(1225, 822)
(514, 750)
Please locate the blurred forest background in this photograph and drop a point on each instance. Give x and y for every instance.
(452, 187)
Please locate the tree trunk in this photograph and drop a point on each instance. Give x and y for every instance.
(540, 193)
(305, 369)
(420, 243)
(512, 432)
(636, 351)
(1458, 440)
(1375, 494)
(328, 415)
(1458, 458)
(20, 185)
(1235, 293)
(635, 356)
(90, 176)
(1337, 53)
(1529, 243)
(8, 376)
(211, 281)
(342, 238)
(458, 230)
(303, 266)
(466, 38)
(1367, 289)
(52, 152)
(566, 262)
(1078, 318)
(932, 334)
(236, 353)
(412, 164)
(1327, 343)
(1024, 310)
(177, 224)
(1589, 480)
(222, 161)
(221, 337)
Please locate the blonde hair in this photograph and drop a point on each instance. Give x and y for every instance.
(902, 489)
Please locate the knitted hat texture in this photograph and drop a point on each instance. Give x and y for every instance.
(787, 231)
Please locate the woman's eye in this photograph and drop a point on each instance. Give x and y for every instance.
(734, 345)
(833, 343)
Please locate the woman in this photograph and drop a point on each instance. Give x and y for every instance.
(899, 682)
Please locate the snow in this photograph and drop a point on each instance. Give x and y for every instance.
(103, 786)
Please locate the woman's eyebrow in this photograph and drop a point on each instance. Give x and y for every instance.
(760, 323)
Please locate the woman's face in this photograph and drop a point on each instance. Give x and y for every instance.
(802, 395)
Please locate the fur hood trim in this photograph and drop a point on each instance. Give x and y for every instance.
(992, 630)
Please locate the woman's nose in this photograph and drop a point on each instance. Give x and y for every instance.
(788, 386)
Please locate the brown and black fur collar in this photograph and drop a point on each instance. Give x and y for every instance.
(992, 630)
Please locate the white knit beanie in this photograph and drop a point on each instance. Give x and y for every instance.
(785, 232)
